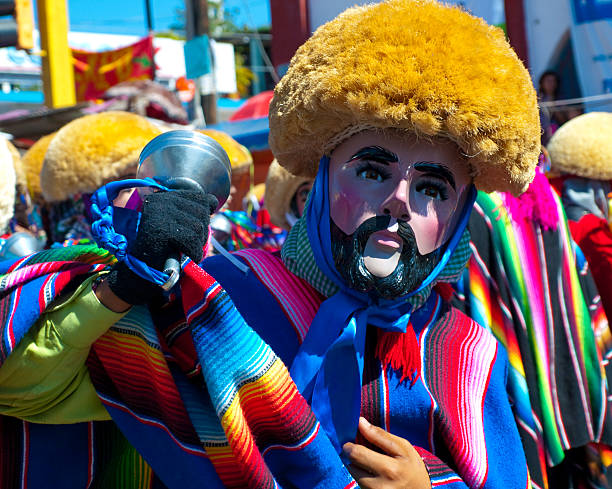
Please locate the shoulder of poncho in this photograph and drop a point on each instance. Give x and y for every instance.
(455, 320)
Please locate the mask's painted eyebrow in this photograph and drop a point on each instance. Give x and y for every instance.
(375, 153)
(437, 170)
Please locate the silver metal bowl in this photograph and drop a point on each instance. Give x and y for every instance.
(182, 158)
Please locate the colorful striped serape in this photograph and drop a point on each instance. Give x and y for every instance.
(100, 456)
(180, 428)
(206, 402)
(523, 283)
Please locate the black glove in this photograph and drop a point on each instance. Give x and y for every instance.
(171, 223)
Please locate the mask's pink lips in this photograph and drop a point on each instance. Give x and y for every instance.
(387, 239)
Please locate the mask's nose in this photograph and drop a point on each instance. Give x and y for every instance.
(396, 205)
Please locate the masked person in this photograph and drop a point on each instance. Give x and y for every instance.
(581, 164)
(285, 196)
(269, 218)
(83, 155)
(8, 182)
(20, 230)
(397, 109)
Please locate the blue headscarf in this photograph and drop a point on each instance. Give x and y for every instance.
(328, 366)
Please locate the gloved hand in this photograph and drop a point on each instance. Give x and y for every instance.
(171, 223)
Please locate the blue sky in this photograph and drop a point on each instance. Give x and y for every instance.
(128, 16)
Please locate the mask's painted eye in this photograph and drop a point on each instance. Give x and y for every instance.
(371, 172)
(433, 189)
(371, 175)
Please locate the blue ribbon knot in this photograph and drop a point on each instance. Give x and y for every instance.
(107, 219)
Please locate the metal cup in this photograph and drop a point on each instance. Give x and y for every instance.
(178, 159)
(186, 159)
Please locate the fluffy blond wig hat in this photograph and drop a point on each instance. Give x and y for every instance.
(280, 189)
(415, 65)
(91, 150)
(32, 162)
(583, 146)
(7, 184)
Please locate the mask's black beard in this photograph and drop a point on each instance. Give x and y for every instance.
(412, 268)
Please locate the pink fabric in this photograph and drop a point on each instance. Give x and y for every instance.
(537, 204)
(297, 298)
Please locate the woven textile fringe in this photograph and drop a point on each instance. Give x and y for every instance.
(400, 351)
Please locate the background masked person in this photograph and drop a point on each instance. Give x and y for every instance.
(19, 232)
(8, 190)
(285, 196)
(525, 284)
(399, 109)
(581, 158)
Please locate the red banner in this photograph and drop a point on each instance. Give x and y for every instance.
(94, 73)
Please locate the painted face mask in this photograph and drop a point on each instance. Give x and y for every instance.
(394, 203)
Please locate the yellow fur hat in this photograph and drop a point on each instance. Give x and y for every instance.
(416, 65)
(7, 184)
(91, 150)
(583, 146)
(240, 157)
(280, 189)
(32, 162)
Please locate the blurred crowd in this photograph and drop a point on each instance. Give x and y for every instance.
(46, 193)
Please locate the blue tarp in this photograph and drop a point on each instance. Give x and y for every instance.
(252, 133)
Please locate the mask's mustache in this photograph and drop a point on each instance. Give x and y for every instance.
(381, 223)
(405, 232)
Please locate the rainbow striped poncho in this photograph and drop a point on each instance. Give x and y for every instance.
(205, 400)
(523, 283)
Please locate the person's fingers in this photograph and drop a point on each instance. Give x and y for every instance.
(362, 477)
(362, 457)
(390, 444)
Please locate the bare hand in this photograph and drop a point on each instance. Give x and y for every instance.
(108, 299)
(400, 467)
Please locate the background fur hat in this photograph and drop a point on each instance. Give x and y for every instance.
(7, 184)
(240, 157)
(32, 162)
(415, 65)
(91, 150)
(583, 146)
(280, 189)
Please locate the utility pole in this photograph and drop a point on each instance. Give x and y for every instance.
(149, 15)
(197, 24)
(57, 69)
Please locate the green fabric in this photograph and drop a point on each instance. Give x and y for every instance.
(299, 259)
(123, 467)
(45, 379)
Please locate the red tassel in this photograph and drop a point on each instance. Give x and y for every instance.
(401, 352)
(446, 291)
